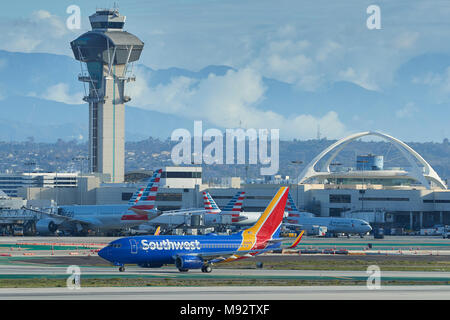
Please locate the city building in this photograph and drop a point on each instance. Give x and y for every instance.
(411, 198)
(11, 183)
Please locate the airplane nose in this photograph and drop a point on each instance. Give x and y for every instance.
(103, 253)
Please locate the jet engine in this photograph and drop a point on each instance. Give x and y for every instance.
(189, 262)
(46, 226)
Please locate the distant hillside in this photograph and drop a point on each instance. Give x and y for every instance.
(40, 96)
(152, 153)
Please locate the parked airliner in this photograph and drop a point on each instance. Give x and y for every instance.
(334, 225)
(294, 217)
(80, 218)
(200, 252)
(211, 215)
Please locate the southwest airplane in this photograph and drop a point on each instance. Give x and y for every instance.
(200, 252)
(79, 218)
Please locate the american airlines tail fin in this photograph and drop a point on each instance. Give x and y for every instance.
(210, 204)
(136, 196)
(146, 198)
(235, 204)
(290, 205)
(268, 225)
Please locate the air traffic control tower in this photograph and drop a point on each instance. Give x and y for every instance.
(106, 54)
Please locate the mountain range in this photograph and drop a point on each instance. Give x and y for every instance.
(40, 97)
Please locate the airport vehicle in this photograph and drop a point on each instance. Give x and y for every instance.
(200, 252)
(17, 231)
(446, 232)
(77, 219)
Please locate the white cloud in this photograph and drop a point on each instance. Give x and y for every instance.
(40, 32)
(60, 92)
(437, 83)
(227, 102)
(406, 40)
(407, 111)
(361, 78)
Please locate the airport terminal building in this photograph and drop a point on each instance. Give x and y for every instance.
(411, 199)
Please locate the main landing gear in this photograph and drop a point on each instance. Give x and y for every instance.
(121, 268)
(206, 268)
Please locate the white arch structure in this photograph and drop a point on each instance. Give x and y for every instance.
(424, 175)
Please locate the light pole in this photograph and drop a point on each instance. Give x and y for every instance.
(81, 159)
(56, 181)
(362, 191)
(335, 164)
(29, 164)
(297, 162)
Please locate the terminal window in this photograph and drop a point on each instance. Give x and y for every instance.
(126, 196)
(340, 198)
(383, 199)
(189, 175)
(169, 197)
(336, 212)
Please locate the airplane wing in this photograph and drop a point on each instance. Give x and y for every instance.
(50, 215)
(60, 218)
(182, 212)
(225, 256)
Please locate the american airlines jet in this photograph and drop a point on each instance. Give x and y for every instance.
(334, 225)
(211, 214)
(80, 218)
(305, 220)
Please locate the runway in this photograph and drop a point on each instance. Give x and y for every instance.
(232, 293)
(6, 271)
(48, 258)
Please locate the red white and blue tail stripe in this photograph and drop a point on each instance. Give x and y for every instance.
(235, 204)
(291, 208)
(209, 204)
(144, 200)
(147, 201)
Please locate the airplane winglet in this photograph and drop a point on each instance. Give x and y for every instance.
(297, 240)
(158, 230)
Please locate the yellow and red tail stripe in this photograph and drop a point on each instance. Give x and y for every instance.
(297, 240)
(256, 237)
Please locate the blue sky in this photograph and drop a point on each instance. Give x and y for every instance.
(308, 44)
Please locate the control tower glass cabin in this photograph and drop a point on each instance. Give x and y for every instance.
(105, 54)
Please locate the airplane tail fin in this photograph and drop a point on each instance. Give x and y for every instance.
(235, 204)
(290, 206)
(269, 224)
(297, 240)
(136, 196)
(210, 204)
(146, 199)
